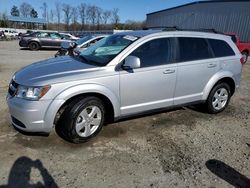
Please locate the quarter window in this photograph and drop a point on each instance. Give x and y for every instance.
(221, 48)
(155, 52)
(192, 49)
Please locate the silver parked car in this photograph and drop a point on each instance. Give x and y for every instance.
(124, 75)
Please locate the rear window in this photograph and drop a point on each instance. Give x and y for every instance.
(234, 39)
(192, 49)
(221, 48)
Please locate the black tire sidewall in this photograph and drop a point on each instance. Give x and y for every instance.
(31, 46)
(70, 115)
(210, 107)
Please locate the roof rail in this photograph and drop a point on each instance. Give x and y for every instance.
(208, 30)
(175, 28)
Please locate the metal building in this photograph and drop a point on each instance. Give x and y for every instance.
(223, 16)
(20, 22)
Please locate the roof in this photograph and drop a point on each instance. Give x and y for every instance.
(144, 33)
(199, 2)
(140, 33)
(27, 19)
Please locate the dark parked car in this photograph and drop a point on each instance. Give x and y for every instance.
(79, 45)
(38, 40)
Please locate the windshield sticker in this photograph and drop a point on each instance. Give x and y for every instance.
(129, 37)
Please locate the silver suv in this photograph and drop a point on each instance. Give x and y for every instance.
(123, 75)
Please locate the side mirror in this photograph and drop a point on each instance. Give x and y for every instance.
(68, 45)
(131, 62)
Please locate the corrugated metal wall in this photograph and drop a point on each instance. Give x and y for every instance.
(222, 16)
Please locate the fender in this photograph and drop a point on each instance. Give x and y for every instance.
(70, 92)
(218, 76)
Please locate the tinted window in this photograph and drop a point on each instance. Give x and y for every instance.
(43, 35)
(55, 36)
(221, 48)
(191, 49)
(155, 52)
(65, 36)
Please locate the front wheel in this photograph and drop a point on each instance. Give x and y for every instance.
(34, 46)
(81, 120)
(218, 98)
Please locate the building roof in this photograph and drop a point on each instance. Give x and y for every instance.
(27, 19)
(199, 2)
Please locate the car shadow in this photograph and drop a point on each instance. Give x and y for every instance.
(228, 174)
(20, 174)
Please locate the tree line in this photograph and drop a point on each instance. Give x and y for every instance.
(82, 17)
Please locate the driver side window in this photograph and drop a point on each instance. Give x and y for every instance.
(155, 52)
(55, 36)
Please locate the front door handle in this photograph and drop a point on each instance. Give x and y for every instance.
(211, 65)
(169, 71)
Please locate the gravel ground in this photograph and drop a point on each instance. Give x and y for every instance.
(182, 148)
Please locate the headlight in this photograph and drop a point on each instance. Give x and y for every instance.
(31, 93)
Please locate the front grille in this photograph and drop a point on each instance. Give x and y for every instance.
(17, 122)
(13, 88)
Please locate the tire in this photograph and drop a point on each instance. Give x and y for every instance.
(34, 46)
(245, 56)
(218, 98)
(81, 120)
(57, 54)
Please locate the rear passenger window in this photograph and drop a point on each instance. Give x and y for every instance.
(155, 52)
(192, 49)
(221, 48)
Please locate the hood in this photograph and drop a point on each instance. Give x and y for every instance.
(55, 70)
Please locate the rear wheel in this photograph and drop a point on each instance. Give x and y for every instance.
(81, 120)
(218, 98)
(245, 56)
(34, 46)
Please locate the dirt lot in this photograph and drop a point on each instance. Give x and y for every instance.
(182, 148)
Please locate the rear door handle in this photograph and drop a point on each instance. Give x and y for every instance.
(169, 71)
(211, 65)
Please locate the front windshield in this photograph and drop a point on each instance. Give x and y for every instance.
(102, 52)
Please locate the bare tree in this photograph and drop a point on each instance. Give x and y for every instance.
(45, 13)
(67, 14)
(133, 25)
(82, 13)
(91, 14)
(74, 17)
(25, 9)
(106, 16)
(3, 20)
(51, 16)
(115, 17)
(58, 13)
(98, 16)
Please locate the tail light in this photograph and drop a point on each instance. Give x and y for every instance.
(242, 60)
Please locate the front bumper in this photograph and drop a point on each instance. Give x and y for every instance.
(23, 43)
(29, 116)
